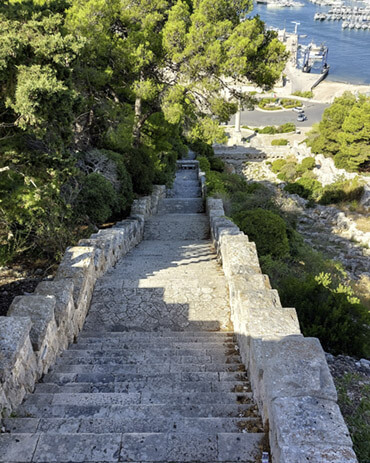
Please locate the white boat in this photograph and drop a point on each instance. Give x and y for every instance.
(345, 25)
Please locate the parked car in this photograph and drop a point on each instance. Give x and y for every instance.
(297, 110)
(301, 117)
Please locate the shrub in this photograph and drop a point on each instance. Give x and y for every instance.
(279, 142)
(295, 189)
(290, 103)
(97, 198)
(329, 313)
(287, 127)
(141, 167)
(214, 183)
(204, 164)
(267, 230)
(277, 165)
(268, 130)
(217, 164)
(342, 191)
(308, 163)
(288, 172)
(307, 94)
(201, 148)
(312, 188)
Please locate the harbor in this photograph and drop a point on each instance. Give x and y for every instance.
(343, 33)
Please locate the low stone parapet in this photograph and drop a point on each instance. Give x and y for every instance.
(38, 327)
(290, 378)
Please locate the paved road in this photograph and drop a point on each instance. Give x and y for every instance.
(258, 118)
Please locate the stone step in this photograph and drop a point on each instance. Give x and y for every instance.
(147, 369)
(156, 424)
(183, 354)
(134, 411)
(146, 385)
(128, 359)
(131, 447)
(155, 345)
(165, 336)
(129, 398)
(181, 206)
(175, 378)
(178, 227)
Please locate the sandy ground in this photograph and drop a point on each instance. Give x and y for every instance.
(326, 91)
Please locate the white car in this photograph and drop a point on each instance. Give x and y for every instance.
(301, 117)
(297, 110)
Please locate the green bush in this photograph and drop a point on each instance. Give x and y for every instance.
(279, 142)
(286, 128)
(312, 188)
(214, 183)
(289, 103)
(307, 94)
(267, 229)
(342, 191)
(217, 164)
(329, 313)
(277, 165)
(295, 189)
(268, 130)
(288, 172)
(97, 198)
(202, 149)
(141, 168)
(308, 163)
(204, 164)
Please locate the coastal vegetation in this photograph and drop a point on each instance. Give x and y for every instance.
(273, 104)
(317, 287)
(307, 94)
(99, 99)
(272, 129)
(344, 133)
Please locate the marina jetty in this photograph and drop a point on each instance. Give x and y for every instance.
(352, 17)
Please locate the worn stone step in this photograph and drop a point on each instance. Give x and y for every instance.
(177, 227)
(131, 447)
(146, 385)
(134, 411)
(147, 369)
(140, 360)
(165, 336)
(158, 345)
(181, 206)
(97, 378)
(129, 398)
(156, 424)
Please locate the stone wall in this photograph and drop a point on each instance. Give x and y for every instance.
(40, 326)
(290, 378)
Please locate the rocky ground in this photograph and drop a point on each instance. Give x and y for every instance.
(19, 279)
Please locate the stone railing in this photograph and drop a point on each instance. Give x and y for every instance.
(40, 326)
(289, 374)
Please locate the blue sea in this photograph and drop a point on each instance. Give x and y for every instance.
(349, 49)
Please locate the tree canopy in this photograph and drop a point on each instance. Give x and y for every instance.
(136, 79)
(344, 132)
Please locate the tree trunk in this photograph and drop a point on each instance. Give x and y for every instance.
(137, 123)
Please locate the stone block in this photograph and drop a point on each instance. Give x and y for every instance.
(239, 256)
(214, 204)
(64, 309)
(297, 367)
(318, 453)
(258, 298)
(104, 257)
(17, 362)
(43, 333)
(78, 266)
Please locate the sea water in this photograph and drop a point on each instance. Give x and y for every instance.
(349, 49)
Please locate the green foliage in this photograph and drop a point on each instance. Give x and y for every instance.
(308, 163)
(286, 128)
(307, 94)
(214, 183)
(268, 130)
(344, 132)
(308, 188)
(329, 313)
(279, 142)
(342, 191)
(97, 198)
(204, 164)
(277, 165)
(266, 229)
(288, 172)
(290, 103)
(354, 402)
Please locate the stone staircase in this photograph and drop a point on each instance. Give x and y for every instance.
(156, 374)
